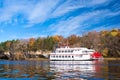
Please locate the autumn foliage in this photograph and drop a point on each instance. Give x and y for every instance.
(106, 42)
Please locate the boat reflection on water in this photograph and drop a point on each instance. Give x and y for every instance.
(80, 70)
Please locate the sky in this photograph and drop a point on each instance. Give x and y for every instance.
(23, 19)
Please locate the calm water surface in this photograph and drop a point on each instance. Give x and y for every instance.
(59, 70)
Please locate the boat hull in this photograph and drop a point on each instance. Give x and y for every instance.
(57, 57)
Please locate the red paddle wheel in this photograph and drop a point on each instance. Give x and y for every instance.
(96, 55)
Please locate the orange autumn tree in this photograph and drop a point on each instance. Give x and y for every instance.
(73, 40)
(31, 44)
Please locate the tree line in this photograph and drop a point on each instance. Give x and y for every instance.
(106, 42)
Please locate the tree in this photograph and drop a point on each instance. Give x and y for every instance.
(2, 48)
(111, 41)
(91, 40)
(8, 43)
(73, 40)
(48, 43)
(114, 32)
(31, 44)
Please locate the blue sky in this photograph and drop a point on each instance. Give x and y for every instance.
(22, 19)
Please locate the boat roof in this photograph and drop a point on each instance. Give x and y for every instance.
(76, 48)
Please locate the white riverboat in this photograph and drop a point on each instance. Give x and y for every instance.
(66, 53)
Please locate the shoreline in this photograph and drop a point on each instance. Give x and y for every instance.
(47, 59)
(111, 58)
(39, 59)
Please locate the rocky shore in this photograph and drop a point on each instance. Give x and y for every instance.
(38, 55)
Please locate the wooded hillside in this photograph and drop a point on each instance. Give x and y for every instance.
(106, 42)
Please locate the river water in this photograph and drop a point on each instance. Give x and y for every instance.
(59, 70)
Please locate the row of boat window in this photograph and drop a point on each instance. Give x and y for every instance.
(62, 56)
(70, 51)
(65, 51)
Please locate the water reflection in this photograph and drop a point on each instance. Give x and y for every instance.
(114, 70)
(76, 69)
(60, 70)
(32, 70)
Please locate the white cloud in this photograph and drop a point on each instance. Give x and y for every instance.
(68, 26)
(83, 21)
(97, 2)
(42, 11)
(106, 27)
(34, 12)
(71, 5)
(38, 12)
(11, 9)
(66, 7)
(28, 13)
